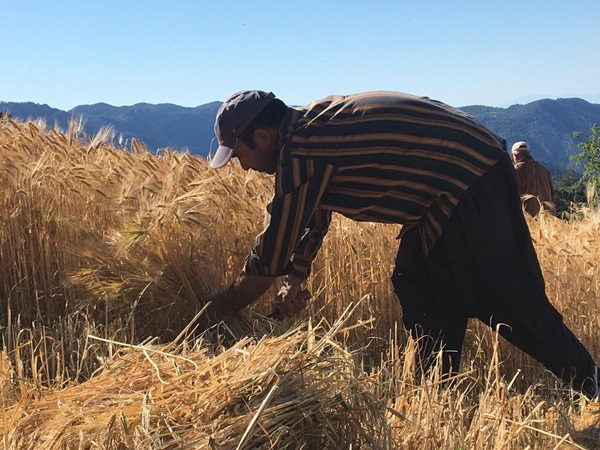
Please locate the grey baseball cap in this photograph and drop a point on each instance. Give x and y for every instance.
(233, 117)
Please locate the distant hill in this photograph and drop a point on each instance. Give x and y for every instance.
(547, 125)
(158, 126)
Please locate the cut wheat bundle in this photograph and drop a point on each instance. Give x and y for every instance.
(298, 390)
(302, 389)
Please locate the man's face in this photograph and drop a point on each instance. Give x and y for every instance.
(262, 158)
(519, 156)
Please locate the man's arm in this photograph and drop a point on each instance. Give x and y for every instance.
(289, 242)
(226, 303)
(296, 224)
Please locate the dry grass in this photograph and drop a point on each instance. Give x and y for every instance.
(109, 253)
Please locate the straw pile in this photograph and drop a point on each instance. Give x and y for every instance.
(300, 390)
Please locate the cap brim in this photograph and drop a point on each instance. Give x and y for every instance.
(222, 157)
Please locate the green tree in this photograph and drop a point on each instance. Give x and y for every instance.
(570, 193)
(589, 157)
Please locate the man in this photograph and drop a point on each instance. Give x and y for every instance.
(534, 181)
(465, 247)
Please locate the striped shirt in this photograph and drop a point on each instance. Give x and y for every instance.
(379, 157)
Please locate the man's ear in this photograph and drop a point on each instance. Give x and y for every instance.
(261, 137)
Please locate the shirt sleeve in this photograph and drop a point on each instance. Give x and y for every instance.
(296, 225)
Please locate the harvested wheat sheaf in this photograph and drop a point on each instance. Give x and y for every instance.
(298, 390)
(108, 254)
(301, 389)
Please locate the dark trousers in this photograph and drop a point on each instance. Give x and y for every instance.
(484, 265)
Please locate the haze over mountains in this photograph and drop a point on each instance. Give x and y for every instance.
(547, 125)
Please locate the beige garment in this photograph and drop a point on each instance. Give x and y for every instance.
(535, 186)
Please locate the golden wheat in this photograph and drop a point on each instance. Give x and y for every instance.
(109, 253)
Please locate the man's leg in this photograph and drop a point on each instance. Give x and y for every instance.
(510, 288)
(434, 320)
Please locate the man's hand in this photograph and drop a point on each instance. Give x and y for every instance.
(226, 303)
(291, 298)
(218, 309)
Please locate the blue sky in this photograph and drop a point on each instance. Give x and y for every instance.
(488, 52)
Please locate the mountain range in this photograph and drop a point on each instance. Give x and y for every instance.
(547, 125)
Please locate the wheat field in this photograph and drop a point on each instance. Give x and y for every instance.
(108, 253)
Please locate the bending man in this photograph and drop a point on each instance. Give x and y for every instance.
(465, 248)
